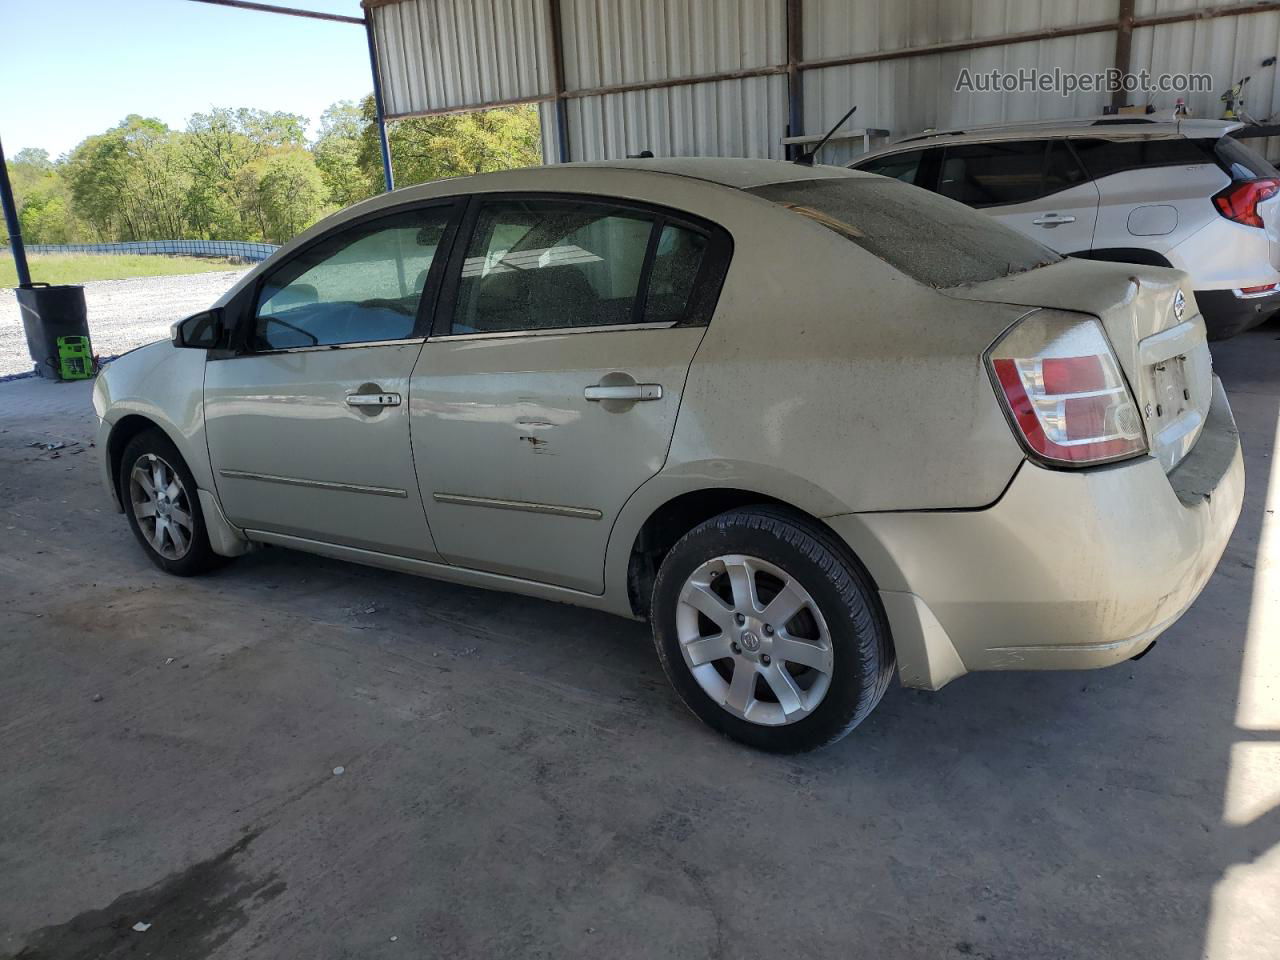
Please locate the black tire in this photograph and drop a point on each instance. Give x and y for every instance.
(199, 556)
(862, 662)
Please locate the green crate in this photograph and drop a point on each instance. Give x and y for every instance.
(75, 358)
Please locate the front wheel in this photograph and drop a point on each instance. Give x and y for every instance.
(769, 630)
(159, 497)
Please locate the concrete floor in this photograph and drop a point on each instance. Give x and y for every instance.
(519, 781)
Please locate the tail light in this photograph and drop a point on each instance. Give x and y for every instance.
(1239, 201)
(1064, 393)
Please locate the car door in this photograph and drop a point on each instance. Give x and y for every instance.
(1033, 186)
(308, 418)
(1154, 191)
(548, 391)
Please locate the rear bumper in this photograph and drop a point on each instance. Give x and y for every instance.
(1226, 313)
(1069, 570)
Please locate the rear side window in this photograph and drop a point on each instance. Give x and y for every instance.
(1005, 172)
(1061, 170)
(543, 264)
(989, 174)
(676, 262)
(1101, 158)
(931, 239)
(900, 166)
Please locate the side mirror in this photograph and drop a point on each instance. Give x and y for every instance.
(202, 331)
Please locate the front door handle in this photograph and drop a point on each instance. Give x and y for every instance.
(1052, 220)
(626, 391)
(373, 399)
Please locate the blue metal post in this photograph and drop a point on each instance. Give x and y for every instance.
(795, 79)
(563, 152)
(14, 225)
(387, 175)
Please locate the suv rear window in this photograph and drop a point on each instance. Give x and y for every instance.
(936, 241)
(1102, 158)
(1241, 162)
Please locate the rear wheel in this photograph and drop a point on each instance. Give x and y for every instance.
(769, 631)
(159, 497)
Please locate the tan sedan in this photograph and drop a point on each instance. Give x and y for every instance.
(814, 425)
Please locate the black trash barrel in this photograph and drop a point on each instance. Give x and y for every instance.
(48, 312)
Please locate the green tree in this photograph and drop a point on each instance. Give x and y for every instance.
(221, 147)
(242, 174)
(130, 182)
(453, 144)
(288, 195)
(337, 152)
(43, 199)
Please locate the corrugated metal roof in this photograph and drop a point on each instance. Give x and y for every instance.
(446, 54)
(609, 42)
(916, 93)
(728, 118)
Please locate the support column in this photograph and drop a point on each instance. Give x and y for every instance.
(387, 175)
(12, 222)
(795, 77)
(1124, 46)
(557, 77)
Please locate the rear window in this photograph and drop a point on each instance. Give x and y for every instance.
(936, 241)
(1241, 162)
(1102, 158)
(1105, 157)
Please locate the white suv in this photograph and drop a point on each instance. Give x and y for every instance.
(1161, 192)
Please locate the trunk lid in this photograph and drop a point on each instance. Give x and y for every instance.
(1165, 357)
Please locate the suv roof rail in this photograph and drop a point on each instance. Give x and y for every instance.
(1162, 121)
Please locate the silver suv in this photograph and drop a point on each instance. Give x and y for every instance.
(1180, 193)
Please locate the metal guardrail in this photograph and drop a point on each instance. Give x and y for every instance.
(180, 248)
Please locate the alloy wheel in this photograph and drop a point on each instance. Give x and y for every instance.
(754, 640)
(161, 506)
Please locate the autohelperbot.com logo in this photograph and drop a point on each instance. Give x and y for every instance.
(1066, 83)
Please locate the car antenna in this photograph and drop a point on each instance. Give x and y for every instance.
(806, 159)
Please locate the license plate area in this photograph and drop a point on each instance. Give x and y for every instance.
(1174, 389)
(1169, 396)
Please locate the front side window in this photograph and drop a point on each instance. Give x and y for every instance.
(542, 264)
(359, 285)
(900, 166)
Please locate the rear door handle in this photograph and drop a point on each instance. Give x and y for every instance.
(373, 399)
(628, 391)
(1052, 220)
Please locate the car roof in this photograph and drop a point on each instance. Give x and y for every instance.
(740, 173)
(1111, 127)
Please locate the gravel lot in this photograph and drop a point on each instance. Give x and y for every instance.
(123, 314)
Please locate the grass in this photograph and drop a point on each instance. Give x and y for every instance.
(79, 267)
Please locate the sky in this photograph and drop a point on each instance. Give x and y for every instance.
(72, 68)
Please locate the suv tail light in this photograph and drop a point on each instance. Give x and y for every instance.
(1064, 393)
(1239, 201)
